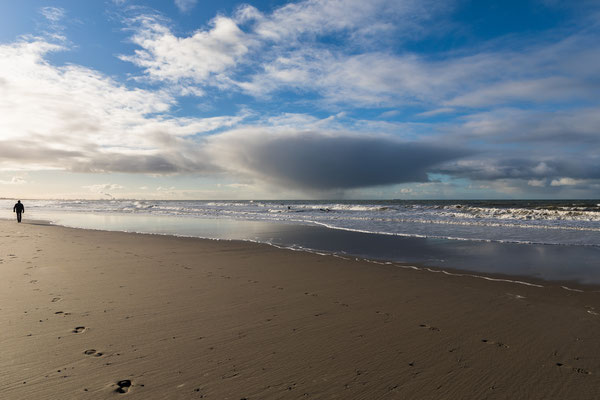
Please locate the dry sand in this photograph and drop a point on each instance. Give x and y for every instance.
(186, 318)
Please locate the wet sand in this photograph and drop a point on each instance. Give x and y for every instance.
(96, 315)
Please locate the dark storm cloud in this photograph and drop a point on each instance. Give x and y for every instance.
(320, 161)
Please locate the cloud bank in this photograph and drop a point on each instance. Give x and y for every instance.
(324, 160)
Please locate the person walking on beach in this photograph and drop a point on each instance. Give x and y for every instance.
(19, 208)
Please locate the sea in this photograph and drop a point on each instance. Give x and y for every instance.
(539, 240)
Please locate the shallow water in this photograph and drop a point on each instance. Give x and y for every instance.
(576, 263)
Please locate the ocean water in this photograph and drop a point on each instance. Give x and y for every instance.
(541, 222)
(553, 239)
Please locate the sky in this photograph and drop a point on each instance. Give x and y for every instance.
(311, 99)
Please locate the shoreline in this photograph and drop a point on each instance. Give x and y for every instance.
(192, 318)
(493, 276)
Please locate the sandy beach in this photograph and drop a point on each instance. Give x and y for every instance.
(96, 315)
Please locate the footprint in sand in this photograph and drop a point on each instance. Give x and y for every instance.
(93, 352)
(387, 317)
(79, 329)
(431, 328)
(497, 344)
(574, 369)
(55, 299)
(591, 310)
(123, 386)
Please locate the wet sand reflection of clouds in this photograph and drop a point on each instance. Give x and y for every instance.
(548, 262)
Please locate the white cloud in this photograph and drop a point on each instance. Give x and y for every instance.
(102, 187)
(193, 59)
(53, 14)
(389, 114)
(236, 185)
(298, 121)
(358, 20)
(185, 5)
(570, 126)
(566, 182)
(15, 180)
(75, 118)
(284, 46)
(262, 54)
(537, 182)
(533, 90)
(371, 79)
(537, 74)
(437, 111)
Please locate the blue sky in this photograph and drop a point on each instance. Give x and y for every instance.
(406, 99)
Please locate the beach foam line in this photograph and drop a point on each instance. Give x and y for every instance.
(457, 238)
(460, 274)
(487, 278)
(571, 289)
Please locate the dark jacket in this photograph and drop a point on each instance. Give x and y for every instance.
(19, 207)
